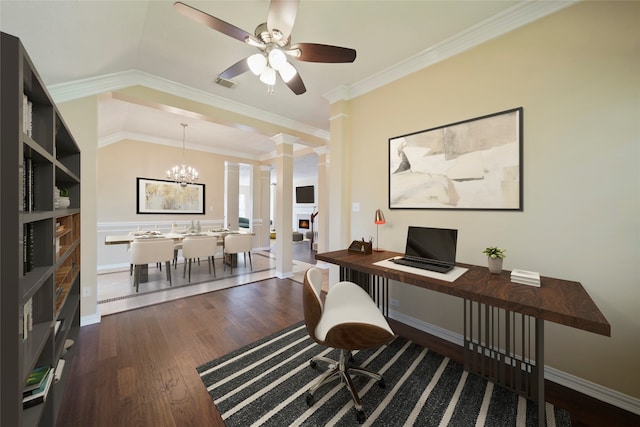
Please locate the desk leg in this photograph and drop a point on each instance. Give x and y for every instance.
(376, 286)
(498, 346)
(540, 372)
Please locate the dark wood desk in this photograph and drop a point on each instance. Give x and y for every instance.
(503, 321)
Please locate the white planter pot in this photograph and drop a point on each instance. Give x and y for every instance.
(495, 265)
(64, 202)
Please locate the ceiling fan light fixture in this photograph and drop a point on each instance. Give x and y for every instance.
(257, 63)
(268, 76)
(277, 59)
(287, 72)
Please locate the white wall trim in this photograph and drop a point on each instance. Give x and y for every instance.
(588, 388)
(90, 319)
(512, 18)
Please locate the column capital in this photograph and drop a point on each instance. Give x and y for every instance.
(321, 150)
(283, 138)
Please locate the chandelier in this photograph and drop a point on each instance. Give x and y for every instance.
(183, 174)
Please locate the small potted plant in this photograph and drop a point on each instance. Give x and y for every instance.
(494, 258)
(64, 200)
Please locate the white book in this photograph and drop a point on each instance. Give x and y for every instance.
(525, 282)
(59, 369)
(525, 274)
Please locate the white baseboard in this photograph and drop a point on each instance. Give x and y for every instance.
(90, 319)
(604, 394)
(284, 275)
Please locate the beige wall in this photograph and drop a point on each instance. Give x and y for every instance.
(576, 73)
(119, 165)
(81, 116)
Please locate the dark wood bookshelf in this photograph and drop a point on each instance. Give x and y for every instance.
(40, 258)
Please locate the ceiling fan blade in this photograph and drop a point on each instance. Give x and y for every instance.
(282, 16)
(235, 70)
(296, 84)
(313, 52)
(212, 22)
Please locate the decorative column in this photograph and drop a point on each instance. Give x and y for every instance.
(231, 195)
(261, 205)
(321, 222)
(284, 205)
(339, 184)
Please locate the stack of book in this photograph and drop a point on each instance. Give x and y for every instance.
(525, 277)
(37, 387)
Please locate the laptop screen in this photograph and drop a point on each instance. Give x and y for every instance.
(432, 243)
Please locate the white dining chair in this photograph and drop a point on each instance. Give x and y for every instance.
(194, 248)
(235, 244)
(148, 251)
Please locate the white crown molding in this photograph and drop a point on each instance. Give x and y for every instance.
(69, 91)
(142, 137)
(512, 18)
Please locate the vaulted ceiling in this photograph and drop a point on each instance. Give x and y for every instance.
(90, 47)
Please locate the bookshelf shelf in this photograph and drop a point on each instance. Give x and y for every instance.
(40, 275)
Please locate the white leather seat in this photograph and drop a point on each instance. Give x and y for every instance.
(235, 244)
(147, 251)
(199, 247)
(348, 320)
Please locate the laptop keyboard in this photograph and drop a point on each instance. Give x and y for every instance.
(425, 264)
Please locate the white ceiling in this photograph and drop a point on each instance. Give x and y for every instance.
(88, 47)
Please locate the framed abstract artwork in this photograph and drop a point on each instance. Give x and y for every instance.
(474, 164)
(154, 196)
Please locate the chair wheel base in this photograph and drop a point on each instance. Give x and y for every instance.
(381, 383)
(310, 399)
(313, 364)
(361, 416)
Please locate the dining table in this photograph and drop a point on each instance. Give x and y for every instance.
(176, 235)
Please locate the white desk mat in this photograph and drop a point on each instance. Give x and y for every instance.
(450, 276)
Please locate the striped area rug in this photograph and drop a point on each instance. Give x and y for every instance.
(265, 384)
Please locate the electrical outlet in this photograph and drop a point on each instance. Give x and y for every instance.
(86, 291)
(395, 302)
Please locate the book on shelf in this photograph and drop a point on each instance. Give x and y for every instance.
(57, 326)
(27, 248)
(27, 115)
(36, 378)
(28, 184)
(525, 277)
(27, 318)
(59, 369)
(39, 395)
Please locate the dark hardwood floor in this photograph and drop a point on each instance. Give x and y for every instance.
(137, 368)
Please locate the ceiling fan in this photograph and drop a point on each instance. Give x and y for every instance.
(273, 40)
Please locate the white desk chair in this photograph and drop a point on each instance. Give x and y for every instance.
(199, 247)
(148, 251)
(348, 320)
(235, 244)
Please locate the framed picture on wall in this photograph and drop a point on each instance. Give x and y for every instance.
(155, 196)
(472, 164)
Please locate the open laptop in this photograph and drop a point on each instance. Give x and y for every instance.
(430, 249)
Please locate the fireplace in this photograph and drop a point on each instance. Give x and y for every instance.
(303, 223)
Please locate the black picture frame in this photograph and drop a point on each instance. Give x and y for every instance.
(474, 164)
(158, 196)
